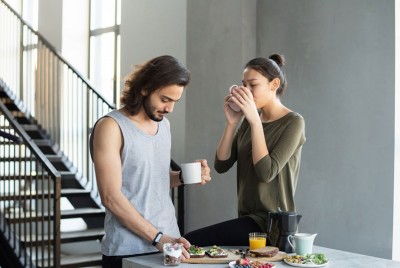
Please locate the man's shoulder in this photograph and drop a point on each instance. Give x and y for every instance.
(166, 121)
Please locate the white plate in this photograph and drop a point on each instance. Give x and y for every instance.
(305, 265)
(232, 264)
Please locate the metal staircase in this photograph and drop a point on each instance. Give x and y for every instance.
(50, 210)
(27, 199)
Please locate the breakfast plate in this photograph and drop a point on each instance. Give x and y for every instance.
(305, 264)
(232, 264)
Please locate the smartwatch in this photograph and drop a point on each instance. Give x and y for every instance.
(157, 239)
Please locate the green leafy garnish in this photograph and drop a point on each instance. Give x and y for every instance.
(317, 258)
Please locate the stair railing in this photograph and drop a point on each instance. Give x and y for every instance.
(30, 192)
(63, 101)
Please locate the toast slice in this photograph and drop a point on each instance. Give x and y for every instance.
(196, 252)
(265, 252)
(216, 252)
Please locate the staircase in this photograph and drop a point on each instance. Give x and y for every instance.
(79, 247)
(50, 210)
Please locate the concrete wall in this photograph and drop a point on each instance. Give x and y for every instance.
(152, 28)
(340, 67)
(50, 22)
(340, 70)
(221, 37)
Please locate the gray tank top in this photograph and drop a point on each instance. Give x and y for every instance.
(146, 184)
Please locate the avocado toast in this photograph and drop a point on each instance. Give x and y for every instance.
(216, 252)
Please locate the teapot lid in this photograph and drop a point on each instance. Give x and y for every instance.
(287, 213)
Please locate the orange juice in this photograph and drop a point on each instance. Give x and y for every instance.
(257, 242)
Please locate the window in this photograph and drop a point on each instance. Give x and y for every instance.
(105, 18)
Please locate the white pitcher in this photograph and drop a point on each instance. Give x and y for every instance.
(302, 243)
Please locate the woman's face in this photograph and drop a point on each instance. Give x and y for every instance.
(263, 90)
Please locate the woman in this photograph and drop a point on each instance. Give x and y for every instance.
(267, 148)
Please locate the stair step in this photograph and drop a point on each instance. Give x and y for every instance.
(65, 214)
(33, 194)
(42, 142)
(76, 261)
(11, 106)
(23, 120)
(30, 127)
(17, 159)
(65, 175)
(35, 134)
(66, 237)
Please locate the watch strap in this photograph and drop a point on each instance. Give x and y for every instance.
(181, 178)
(157, 239)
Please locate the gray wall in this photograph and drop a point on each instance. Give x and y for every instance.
(221, 37)
(152, 28)
(50, 22)
(341, 78)
(340, 67)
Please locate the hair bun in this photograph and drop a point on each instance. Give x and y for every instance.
(278, 58)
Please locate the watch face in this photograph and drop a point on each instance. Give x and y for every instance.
(157, 238)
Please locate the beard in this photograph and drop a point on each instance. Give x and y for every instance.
(151, 111)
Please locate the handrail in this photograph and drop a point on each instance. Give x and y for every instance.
(61, 100)
(57, 97)
(65, 106)
(28, 141)
(30, 188)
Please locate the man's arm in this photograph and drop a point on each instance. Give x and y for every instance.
(107, 147)
(176, 175)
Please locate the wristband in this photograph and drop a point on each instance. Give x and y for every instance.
(181, 178)
(157, 239)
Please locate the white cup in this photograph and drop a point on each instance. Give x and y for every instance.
(191, 172)
(231, 104)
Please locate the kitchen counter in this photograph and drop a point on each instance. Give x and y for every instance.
(337, 258)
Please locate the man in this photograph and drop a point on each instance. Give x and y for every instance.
(131, 151)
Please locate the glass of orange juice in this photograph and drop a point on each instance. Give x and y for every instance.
(257, 240)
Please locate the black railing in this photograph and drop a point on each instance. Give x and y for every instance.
(65, 106)
(63, 101)
(30, 192)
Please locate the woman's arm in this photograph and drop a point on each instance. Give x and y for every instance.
(289, 142)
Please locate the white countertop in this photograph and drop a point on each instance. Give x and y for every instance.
(337, 258)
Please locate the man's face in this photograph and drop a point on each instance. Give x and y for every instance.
(162, 101)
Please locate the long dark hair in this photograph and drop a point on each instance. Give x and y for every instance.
(155, 74)
(271, 68)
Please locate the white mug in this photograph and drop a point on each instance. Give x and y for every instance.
(191, 172)
(231, 104)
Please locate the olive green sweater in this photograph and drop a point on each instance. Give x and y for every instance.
(272, 181)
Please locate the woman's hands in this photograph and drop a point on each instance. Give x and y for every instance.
(243, 98)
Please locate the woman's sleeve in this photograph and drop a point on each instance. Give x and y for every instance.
(222, 166)
(268, 167)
